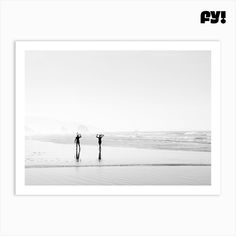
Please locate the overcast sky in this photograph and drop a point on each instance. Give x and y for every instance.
(121, 90)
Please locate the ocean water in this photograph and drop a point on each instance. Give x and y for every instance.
(199, 141)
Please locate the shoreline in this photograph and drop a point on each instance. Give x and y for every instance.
(55, 164)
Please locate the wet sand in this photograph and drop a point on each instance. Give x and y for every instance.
(55, 164)
(139, 175)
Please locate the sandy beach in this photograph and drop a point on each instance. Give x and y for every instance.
(153, 175)
(55, 165)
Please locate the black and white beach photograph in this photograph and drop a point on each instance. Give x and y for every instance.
(117, 117)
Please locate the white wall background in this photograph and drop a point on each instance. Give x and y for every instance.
(161, 215)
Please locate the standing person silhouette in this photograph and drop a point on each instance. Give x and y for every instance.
(99, 137)
(77, 143)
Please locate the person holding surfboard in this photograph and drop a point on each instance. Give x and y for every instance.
(77, 144)
(99, 137)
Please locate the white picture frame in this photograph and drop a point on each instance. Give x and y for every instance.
(22, 46)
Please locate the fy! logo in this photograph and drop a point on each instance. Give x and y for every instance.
(213, 17)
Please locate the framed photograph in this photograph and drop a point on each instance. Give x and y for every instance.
(117, 118)
(106, 114)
